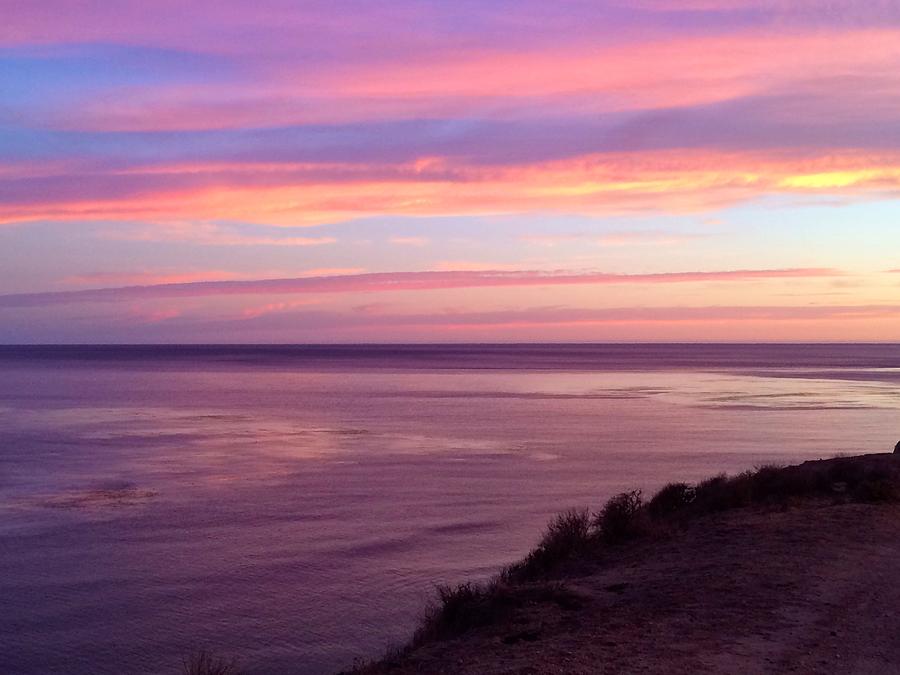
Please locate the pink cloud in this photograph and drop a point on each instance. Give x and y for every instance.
(332, 271)
(147, 278)
(210, 234)
(473, 266)
(572, 316)
(380, 324)
(409, 241)
(398, 281)
(274, 307)
(645, 239)
(455, 325)
(157, 315)
(636, 238)
(689, 322)
(551, 239)
(663, 71)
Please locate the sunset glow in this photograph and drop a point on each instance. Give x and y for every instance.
(415, 171)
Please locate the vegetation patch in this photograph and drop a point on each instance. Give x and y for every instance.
(206, 663)
(460, 609)
(568, 534)
(673, 497)
(621, 518)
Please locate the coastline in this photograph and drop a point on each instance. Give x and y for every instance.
(775, 570)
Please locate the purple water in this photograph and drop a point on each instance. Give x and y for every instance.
(293, 506)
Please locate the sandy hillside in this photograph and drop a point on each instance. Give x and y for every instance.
(810, 585)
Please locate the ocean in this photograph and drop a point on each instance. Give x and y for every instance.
(294, 506)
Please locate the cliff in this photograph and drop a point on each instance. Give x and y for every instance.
(776, 570)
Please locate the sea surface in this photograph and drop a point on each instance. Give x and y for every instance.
(294, 506)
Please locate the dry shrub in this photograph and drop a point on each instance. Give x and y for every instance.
(566, 536)
(620, 519)
(205, 663)
(721, 493)
(670, 499)
(468, 606)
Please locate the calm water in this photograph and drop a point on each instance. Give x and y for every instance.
(294, 506)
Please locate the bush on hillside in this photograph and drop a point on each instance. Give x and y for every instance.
(620, 519)
(568, 534)
(670, 499)
(205, 663)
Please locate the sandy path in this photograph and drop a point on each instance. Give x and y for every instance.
(814, 589)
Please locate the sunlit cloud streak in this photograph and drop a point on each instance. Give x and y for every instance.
(145, 278)
(209, 234)
(279, 319)
(394, 281)
(623, 183)
(163, 278)
(409, 241)
(560, 316)
(619, 238)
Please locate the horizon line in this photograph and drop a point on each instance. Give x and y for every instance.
(457, 344)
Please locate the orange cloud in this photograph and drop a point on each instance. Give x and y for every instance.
(683, 181)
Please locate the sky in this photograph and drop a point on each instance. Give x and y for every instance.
(429, 171)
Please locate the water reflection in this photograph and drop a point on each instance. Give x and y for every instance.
(145, 511)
